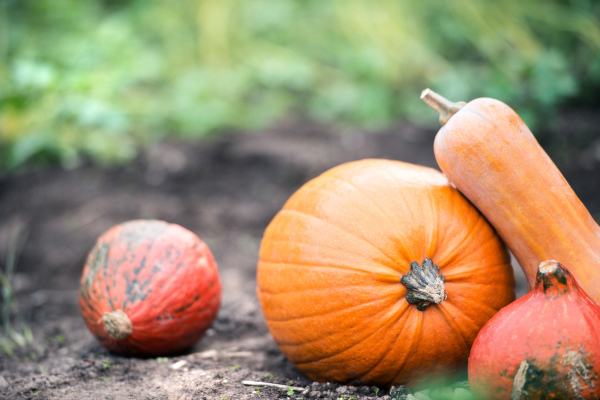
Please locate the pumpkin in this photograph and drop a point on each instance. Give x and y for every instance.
(149, 288)
(545, 345)
(379, 272)
(490, 155)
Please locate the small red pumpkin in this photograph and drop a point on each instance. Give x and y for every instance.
(380, 272)
(546, 345)
(149, 288)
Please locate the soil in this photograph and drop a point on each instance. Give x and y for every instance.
(226, 191)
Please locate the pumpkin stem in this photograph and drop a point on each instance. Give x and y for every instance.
(553, 279)
(443, 106)
(117, 324)
(424, 284)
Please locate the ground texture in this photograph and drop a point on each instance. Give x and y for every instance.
(226, 191)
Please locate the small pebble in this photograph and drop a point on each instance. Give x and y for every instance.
(178, 364)
(397, 392)
(364, 389)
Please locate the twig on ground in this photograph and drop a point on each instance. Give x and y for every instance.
(214, 354)
(276, 385)
(178, 364)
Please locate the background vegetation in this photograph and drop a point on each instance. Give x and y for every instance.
(98, 79)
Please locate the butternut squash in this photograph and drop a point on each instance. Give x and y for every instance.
(491, 156)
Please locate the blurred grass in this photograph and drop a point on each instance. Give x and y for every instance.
(14, 331)
(98, 79)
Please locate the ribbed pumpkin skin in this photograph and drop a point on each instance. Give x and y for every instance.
(330, 266)
(162, 276)
(490, 155)
(545, 345)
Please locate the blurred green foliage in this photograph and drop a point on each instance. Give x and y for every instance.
(97, 79)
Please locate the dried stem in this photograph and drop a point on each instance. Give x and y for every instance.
(424, 284)
(443, 106)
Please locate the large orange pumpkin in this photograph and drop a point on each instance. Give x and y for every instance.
(380, 272)
(149, 288)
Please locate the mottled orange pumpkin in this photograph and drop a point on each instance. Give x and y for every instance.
(149, 288)
(546, 345)
(380, 272)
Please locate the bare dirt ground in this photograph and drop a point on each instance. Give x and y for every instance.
(226, 191)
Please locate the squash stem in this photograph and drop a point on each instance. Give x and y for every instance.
(442, 105)
(553, 279)
(118, 325)
(424, 284)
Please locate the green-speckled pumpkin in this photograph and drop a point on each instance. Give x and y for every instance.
(149, 288)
